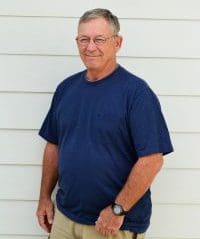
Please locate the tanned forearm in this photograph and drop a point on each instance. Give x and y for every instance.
(45, 210)
(49, 171)
(139, 180)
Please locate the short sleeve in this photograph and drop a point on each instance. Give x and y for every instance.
(148, 128)
(48, 130)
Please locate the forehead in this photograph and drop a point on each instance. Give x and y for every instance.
(94, 27)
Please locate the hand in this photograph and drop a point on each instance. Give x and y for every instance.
(108, 224)
(45, 213)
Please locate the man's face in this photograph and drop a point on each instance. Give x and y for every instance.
(98, 56)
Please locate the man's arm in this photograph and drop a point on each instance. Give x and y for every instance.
(49, 179)
(138, 182)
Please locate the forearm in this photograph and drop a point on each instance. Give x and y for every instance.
(139, 180)
(49, 171)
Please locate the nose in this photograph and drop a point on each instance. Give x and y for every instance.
(91, 45)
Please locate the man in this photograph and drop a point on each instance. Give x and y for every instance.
(106, 136)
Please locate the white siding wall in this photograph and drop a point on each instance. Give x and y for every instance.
(37, 50)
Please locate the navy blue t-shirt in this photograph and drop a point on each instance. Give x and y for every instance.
(101, 129)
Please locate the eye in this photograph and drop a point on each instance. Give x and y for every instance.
(99, 40)
(83, 40)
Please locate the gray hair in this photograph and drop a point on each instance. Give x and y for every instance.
(104, 13)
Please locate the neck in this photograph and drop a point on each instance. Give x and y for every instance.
(94, 75)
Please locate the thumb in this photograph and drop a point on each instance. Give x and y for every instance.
(50, 214)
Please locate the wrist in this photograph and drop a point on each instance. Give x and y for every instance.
(123, 202)
(118, 209)
(45, 198)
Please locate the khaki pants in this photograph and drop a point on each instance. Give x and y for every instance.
(64, 228)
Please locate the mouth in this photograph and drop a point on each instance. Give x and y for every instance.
(91, 56)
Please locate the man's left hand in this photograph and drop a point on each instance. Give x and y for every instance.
(108, 224)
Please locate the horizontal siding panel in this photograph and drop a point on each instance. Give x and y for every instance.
(20, 182)
(21, 147)
(163, 237)
(165, 76)
(21, 215)
(186, 151)
(25, 75)
(175, 221)
(160, 38)
(126, 9)
(27, 148)
(169, 186)
(27, 111)
(181, 113)
(142, 38)
(37, 35)
(148, 237)
(22, 237)
(173, 225)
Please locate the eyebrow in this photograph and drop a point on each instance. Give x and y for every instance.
(94, 36)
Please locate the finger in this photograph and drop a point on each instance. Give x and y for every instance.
(99, 223)
(113, 232)
(50, 214)
(45, 228)
(99, 228)
(99, 219)
(107, 232)
(102, 229)
(41, 220)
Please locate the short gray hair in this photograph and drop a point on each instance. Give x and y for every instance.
(104, 13)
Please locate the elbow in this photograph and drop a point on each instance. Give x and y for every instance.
(159, 161)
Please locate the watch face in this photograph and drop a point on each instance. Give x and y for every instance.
(117, 209)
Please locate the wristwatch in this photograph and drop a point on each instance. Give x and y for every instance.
(118, 210)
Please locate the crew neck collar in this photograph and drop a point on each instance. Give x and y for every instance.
(102, 80)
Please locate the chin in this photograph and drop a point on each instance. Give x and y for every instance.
(92, 66)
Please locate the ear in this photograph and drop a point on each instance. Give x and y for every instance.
(118, 42)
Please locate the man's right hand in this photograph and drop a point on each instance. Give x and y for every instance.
(45, 214)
